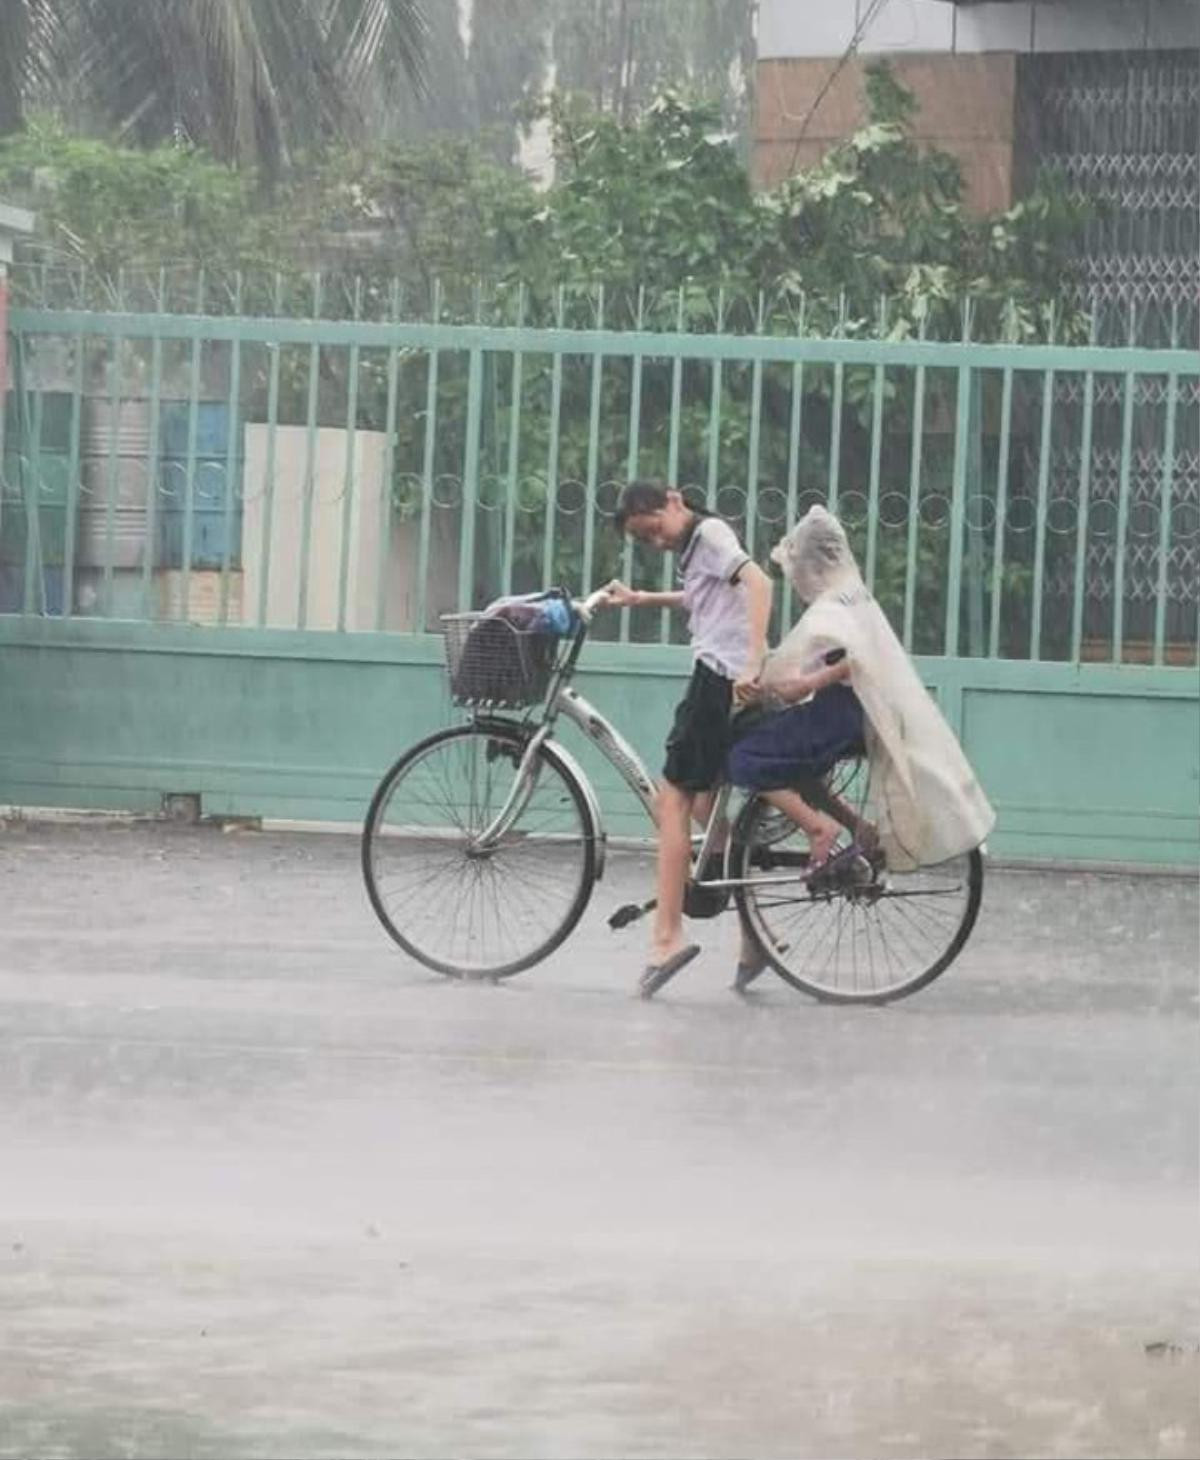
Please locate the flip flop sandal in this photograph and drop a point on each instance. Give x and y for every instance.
(747, 973)
(657, 974)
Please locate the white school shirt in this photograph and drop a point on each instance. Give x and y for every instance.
(718, 612)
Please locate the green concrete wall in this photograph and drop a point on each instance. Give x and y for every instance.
(1084, 763)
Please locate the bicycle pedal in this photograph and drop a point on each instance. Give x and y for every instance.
(628, 914)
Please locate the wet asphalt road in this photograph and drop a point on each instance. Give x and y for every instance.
(268, 1189)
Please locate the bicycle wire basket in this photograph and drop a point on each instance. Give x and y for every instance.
(493, 664)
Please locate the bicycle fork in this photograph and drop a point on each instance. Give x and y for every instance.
(524, 783)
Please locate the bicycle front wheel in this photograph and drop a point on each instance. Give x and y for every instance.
(852, 945)
(460, 909)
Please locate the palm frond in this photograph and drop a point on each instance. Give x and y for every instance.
(31, 48)
(365, 34)
(253, 80)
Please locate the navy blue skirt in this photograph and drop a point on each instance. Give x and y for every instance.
(777, 749)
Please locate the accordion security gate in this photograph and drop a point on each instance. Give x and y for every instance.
(1122, 131)
(318, 492)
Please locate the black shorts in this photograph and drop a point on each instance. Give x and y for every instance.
(699, 738)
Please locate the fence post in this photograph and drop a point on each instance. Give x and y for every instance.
(14, 224)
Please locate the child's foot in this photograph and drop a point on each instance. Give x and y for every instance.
(821, 843)
(849, 867)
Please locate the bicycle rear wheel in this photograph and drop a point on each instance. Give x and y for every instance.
(852, 945)
(460, 910)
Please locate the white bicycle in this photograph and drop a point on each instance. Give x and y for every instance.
(484, 842)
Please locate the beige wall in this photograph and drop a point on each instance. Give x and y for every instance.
(966, 106)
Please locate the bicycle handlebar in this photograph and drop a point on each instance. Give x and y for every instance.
(586, 607)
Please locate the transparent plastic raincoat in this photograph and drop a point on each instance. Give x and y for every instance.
(922, 795)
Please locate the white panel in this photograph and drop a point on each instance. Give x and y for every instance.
(994, 27)
(789, 28)
(1174, 23)
(795, 28)
(325, 546)
(1089, 25)
(910, 25)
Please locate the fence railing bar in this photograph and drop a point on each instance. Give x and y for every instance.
(1165, 508)
(275, 351)
(876, 454)
(116, 394)
(835, 420)
(958, 492)
(189, 484)
(914, 501)
(427, 465)
(73, 450)
(310, 461)
(551, 522)
(593, 454)
(384, 524)
(714, 415)
(1118, 645)
(754, 445)
(668, 559)
(31, 473)
(470, 482)
(975, 530)
(632, 455)
(153, 483)
(233, 430)
(1001, 523)
(611, 343)
(1040, 528)
(1083, 507)
(514, 455)
(348, 471)
(795, 424)
(15, 450)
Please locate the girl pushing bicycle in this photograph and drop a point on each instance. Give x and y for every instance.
(728, 601)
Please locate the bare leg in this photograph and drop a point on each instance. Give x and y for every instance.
(817, 794)
(674, 857)
(821, 830)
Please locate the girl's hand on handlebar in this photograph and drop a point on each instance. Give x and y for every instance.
(620, 595)
(598, 599)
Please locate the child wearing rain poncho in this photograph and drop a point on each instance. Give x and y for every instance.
(860, 692)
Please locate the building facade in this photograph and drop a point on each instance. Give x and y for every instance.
(1107, 92)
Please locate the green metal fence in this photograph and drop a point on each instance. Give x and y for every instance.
(1007, 500)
